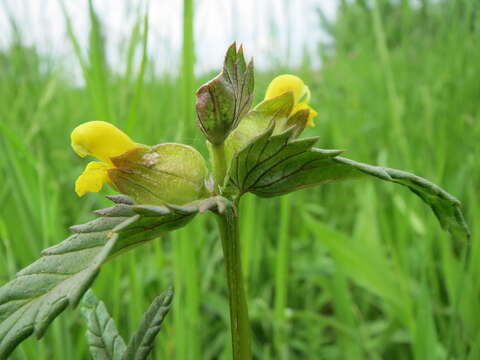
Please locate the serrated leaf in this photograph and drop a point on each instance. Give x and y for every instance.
(104, 341)
(41, 291)
(224, 100)
(273, 165)
(269, 159)
(445, 206)
(142, 342)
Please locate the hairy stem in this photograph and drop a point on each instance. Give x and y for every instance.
(240, 327)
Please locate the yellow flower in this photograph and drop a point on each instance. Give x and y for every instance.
(301, 94)
(155, 175)
(103, 141)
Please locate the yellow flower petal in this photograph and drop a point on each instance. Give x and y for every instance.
(100, 139)
(284, 83)
(312, 113)
(92, 178)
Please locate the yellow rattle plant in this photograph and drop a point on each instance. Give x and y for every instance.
(163, 187)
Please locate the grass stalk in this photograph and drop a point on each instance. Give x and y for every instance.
(281, 278)
(187, 302)
(187, 75)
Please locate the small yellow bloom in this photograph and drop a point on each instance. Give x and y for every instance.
(301, 94)
(104, 141)
(92, 178)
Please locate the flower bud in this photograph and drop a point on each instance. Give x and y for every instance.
(165, 173)
(225, 100)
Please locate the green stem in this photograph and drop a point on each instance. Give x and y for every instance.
(219, 165)
(240, 326)
(228, 226)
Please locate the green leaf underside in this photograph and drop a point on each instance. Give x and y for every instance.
(42, 290)
(142, 342)
(272, 165)
(104, 341)
(224, 100)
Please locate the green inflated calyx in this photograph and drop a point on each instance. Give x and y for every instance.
(166, 173)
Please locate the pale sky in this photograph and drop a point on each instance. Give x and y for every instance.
(265, 27)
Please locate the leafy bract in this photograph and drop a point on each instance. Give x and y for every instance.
(103, 339)
(224, 100)
(41, 291)
(102, 335)
(270, 159)
(142, 342)
(272, 165)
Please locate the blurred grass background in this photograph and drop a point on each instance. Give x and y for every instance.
(357, 270)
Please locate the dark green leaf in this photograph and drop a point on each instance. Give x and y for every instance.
(271, 159)
(141, 344)
(272, 165)
(224, 100)
(102, 335)
(41, 291)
